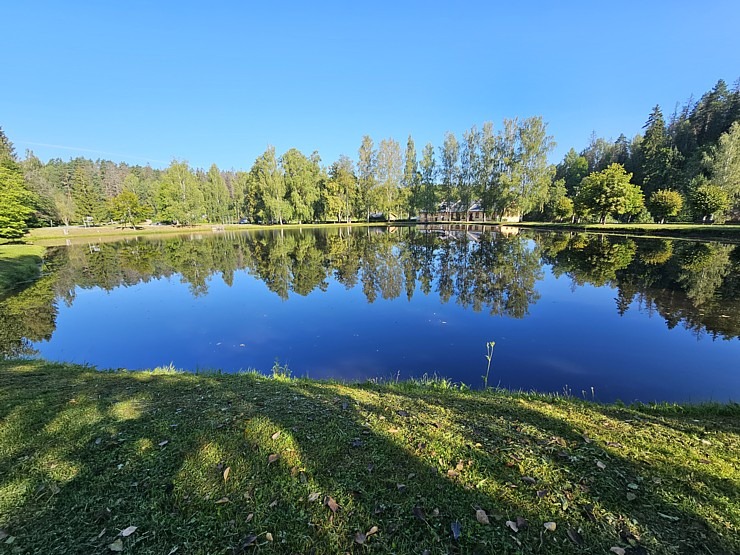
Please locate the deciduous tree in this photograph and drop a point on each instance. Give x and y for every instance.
(609, 193)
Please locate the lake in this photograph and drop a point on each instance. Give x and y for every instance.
(587, 315)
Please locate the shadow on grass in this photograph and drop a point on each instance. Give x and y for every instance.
(84, 455)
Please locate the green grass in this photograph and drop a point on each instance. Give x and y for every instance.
(84, 455)
(19, 264)
(58, 236)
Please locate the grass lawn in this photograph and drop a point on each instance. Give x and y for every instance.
(163, 462)
(58, 236)
(18, 264)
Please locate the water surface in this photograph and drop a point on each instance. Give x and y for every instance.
(589, 315)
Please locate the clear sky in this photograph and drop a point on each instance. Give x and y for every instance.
(149, 81)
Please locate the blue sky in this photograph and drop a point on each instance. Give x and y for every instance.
(217, 82)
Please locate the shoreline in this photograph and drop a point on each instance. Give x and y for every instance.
(59, 236)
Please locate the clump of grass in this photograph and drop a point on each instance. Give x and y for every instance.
(241, 463)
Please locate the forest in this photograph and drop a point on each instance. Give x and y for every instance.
(685, 168)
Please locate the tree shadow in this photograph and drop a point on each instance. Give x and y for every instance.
(103, 451)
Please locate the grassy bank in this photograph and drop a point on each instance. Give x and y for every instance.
(19, 264)
(246, 464)
(720, 232)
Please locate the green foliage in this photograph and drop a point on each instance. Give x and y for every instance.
(16, 202)
(558, 206)
(609, 193)
(389, 172)
(709, 202)
(178, 198)
(428, 170)
(449, 168)
(665, 203)
(724, 164)
(572, 170)
(367, 164)
(125, 209)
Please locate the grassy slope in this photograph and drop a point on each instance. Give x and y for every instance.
(84, 455)
(18, 264)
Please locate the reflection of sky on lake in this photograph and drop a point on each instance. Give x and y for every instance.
(573, 338)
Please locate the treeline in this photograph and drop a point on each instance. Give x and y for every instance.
(687, 168)
(506, 170)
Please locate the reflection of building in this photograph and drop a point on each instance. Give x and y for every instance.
(472, 231)
(456, 212)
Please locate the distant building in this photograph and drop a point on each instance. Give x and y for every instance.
(456, 212)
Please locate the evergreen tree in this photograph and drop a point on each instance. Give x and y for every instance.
(15, 202)
(572, 170)
(656, 153)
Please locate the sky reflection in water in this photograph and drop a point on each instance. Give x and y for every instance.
(567, 313)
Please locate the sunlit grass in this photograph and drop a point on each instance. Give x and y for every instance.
(219, 463)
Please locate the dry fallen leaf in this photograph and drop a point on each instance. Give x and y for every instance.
(276, 435)
(633, 486)
(226, 473)
(550, 526)
(521, 522)
(373, 530)
(313, 497)
(419, 513)
(601, 465)
(360, 538)
(511, 524)
(631, 496)
(329, 502)
(272, 458)
(618, 551)
(481, 516)
(128, 531)
(541, 492)
(456, 528)
(250, 516)
(163, 443)
(223, 500)
(268, 537)
(528, 480)
(116, 545)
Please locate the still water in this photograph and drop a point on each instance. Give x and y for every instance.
(601, 317)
